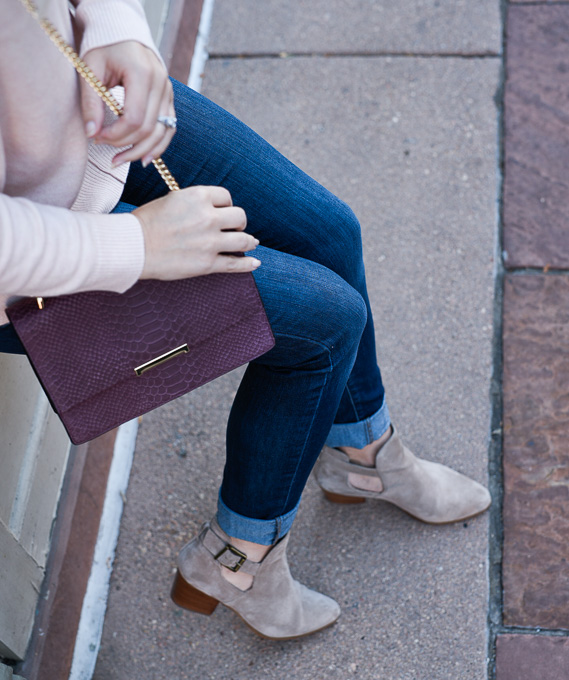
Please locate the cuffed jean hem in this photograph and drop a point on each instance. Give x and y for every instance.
(263, 531)
(362, 433)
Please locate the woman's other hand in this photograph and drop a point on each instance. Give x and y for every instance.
(193, 232)
(148, 94)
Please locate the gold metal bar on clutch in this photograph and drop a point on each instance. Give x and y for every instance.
(182, 349)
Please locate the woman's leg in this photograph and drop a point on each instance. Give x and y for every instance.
(290, 214)
(287, 400)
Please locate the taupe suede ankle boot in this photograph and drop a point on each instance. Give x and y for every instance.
(428, 491)
(275, 606)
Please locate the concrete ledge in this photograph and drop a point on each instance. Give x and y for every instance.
(179, 37)
(83, 493)
(69, 565)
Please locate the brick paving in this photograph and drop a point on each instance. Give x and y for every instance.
(532, 657)
(536, 346)
(536, 180)
(536, 465)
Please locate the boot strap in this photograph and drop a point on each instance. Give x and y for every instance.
(343, 463)
(228, 555)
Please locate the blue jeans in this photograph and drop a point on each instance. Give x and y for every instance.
(320, 383)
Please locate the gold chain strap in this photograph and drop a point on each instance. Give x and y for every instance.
(85, 72)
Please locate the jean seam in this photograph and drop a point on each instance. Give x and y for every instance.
(352, 402)
(309, 429)
(306, 438)
(301, 337)
(320, 372)
(369, 432)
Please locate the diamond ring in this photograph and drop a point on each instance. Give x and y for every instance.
(168, 121)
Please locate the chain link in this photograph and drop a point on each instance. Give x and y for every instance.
(85, 72)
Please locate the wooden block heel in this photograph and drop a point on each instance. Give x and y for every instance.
(338, 498)
(185, 595)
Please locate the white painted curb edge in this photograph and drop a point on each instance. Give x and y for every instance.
(200, 52)
(94, 607)
(95, 602)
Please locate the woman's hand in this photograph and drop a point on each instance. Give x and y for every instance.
(193, 232)
(148, 94)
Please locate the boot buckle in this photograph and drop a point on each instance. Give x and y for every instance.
(234, 551)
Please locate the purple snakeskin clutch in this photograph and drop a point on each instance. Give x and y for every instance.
(104, 358)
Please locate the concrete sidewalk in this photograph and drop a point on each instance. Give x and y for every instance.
(391, 106)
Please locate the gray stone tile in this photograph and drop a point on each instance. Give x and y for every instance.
(432, 26)
(536, 137)
(536, 469)
(411, 145)
(529, 657)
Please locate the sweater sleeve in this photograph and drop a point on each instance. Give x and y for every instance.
(106, 22)
(46, 250)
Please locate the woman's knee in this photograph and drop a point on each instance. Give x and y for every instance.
(321, 326)
(341, 248)
(347, 313)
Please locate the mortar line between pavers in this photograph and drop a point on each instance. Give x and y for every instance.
(537, 271)
(495, 448)
(241, 56)
(495, 476)
(537, 630)
(537, 3)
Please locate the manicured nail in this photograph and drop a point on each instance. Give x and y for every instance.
(146, 161)
(256, 263)
(90, 129)
(257, 242)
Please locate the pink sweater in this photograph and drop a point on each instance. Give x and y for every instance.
(55, 237)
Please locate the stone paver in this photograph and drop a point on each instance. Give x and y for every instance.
(536, 461)
(532, 657)
(411, 144)
(535, 340)
(336, 26)
(536, 181)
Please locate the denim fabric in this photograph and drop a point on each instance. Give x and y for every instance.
(361, 433)
(265, 532)
(321, 379)
(9, 341)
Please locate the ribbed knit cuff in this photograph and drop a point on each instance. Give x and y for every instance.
(106, 22)
(119, 252)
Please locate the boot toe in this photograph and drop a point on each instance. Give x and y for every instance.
(455, 496)
(320, 611)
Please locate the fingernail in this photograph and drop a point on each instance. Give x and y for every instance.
(256, 263)
(146, 161)
(257, 242)
(90, 129)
